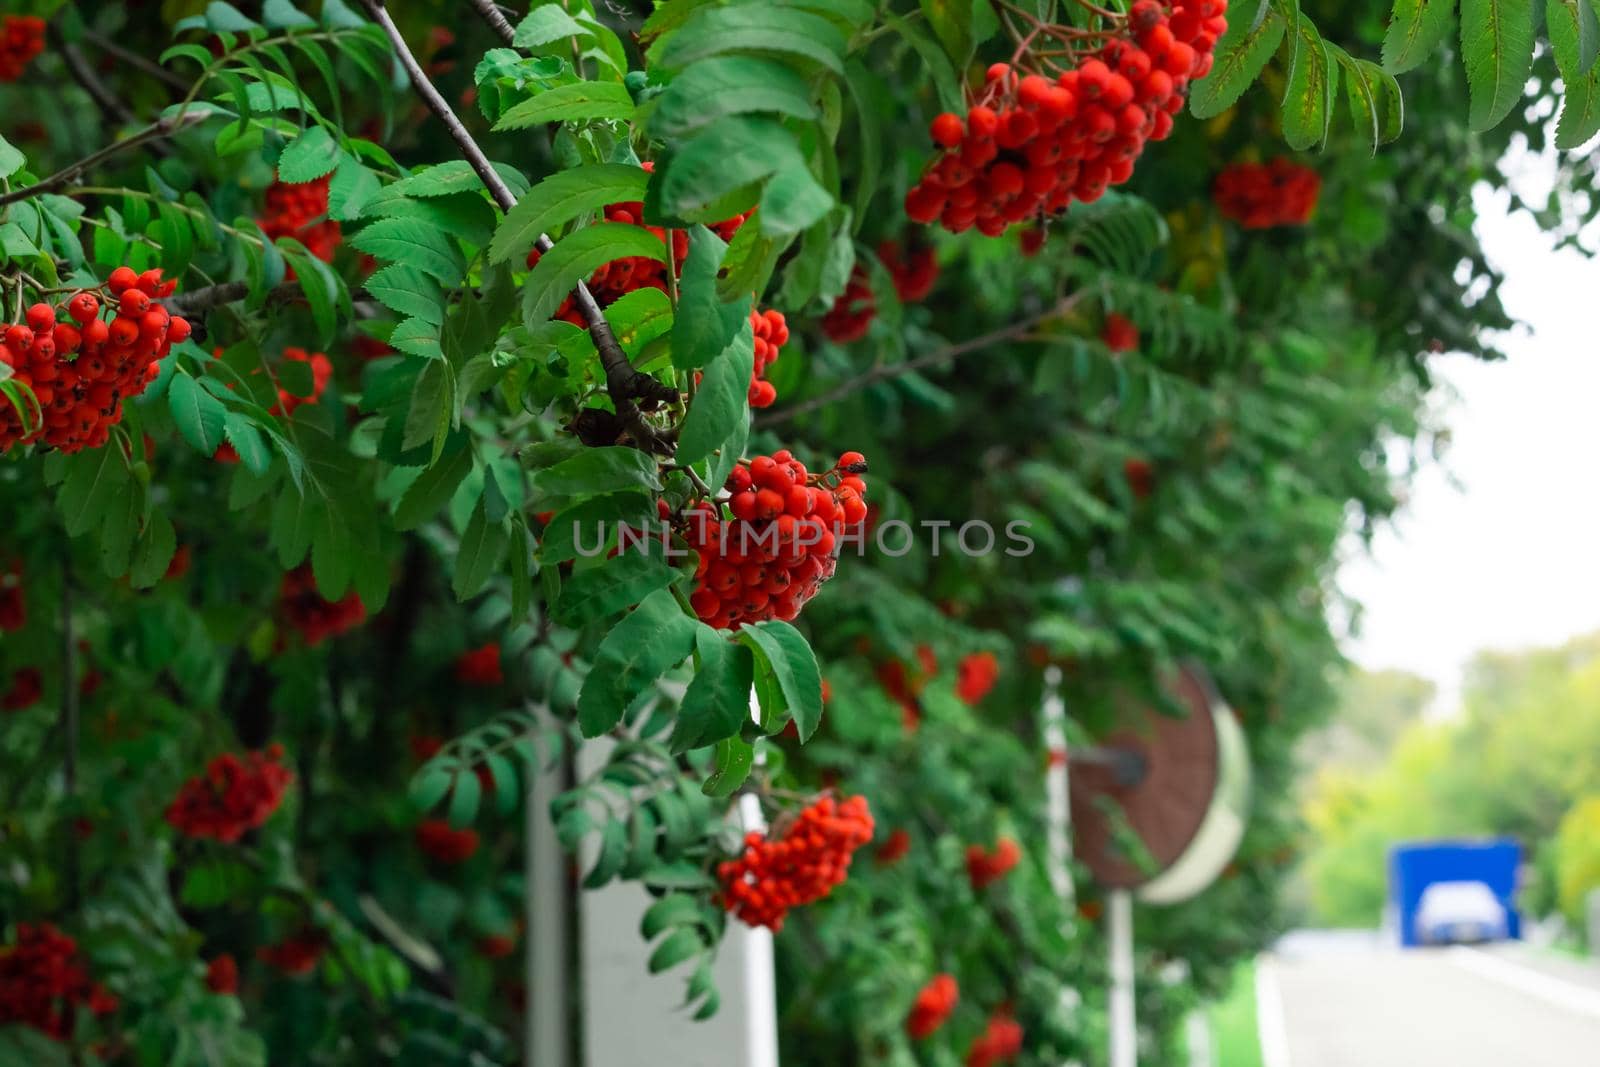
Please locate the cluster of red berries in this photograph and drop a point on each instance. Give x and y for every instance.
(1119, 333)
(852, 313)
(480, 666)
(1032, 145)
(778, 548)
(935, 1001)
(915, 271)
(222, 975)
(296, 955)
(1000, 1041)
(1259, 196)
(13, 608)
(315, 617)
(905, 688)
(1141, 477)
(976, 675)
(299, 210)
(232, 796)
(21, 41)
(445, 844)
(26, 687)
(802, 864)
(771, 334)
(985, 866)
(42, 980)
(81, 367)
(895, 849)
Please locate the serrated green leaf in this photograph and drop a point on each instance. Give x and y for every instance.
(11, 160)
(1242, 53)
(483, 546)
(763, 28)
(651, 640)
(794, 666)
(559, 199)
(433, 489)
(414, 243)
(1574, 31)
(596, 592)
(1580, 112)
(543, 25)
(1497, 46)
(721, 407)
(717, 702)
(704, 325)
(308, 157)
(584, 528)
(1416, 29)
(1308, 101)
(733, 758)
(579, 255)
(575, 101)
(408, 291)
(596, 471)
(247, 441)
(729, 85)
(199, 416)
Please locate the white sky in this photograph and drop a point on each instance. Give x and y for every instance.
(1498, 548)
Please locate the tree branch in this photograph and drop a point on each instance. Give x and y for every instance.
(947, 354)
(161, 128)
(624, 383)
(110, 106)
(495, 18)
(133, 59)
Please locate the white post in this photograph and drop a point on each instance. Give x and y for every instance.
(760, 979)
(1124, 1022)
(547, 1039)
(1058, 794)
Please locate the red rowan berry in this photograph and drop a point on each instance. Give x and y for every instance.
(946, 130)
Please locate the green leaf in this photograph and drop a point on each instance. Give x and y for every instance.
(651, 640)
(613, 852)
(408, 291)
(728, 85)
(683, 944)
(717, 702)
(583, 100)
(309, 156)
(414, 243)
(1580, 112)
(722, 159)
(590, 523)
(674, 909)
(11, 160)
(704, 326)
(579, 255)
(200, 417)
(1497, 45)
(152, 553)
(596, 471)
(247, 441)
(483, 545)
(465, 794)
(1574, 33)
(325, 293)
(721, 406)
(794, 666)
(1308, 103)
(792, 201)
(281, 14)
(451, 177)
(1242, 53)
(560, 198)
(94, 479)
(1416, 29)
(433, 489)
(715, 31)
(606, 588)
(543, 25)
(733, 758)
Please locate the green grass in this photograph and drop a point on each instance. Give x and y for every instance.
(1233, 1021)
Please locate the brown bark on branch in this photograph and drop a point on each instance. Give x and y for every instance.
(495, 18)
(158, 130)
(624, 383)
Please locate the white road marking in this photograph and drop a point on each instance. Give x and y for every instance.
(1271, 1025)
(1559, 992)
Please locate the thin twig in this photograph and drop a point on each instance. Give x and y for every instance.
(1014, 332)
(495, 18)
(133, 59)
(624, 383)
(158, 130)
(110, 106)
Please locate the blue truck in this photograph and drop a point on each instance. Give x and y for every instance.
(1444, 892)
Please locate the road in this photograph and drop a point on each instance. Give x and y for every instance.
(1351, 1003)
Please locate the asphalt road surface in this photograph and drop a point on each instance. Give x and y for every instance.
(1356, 1004)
